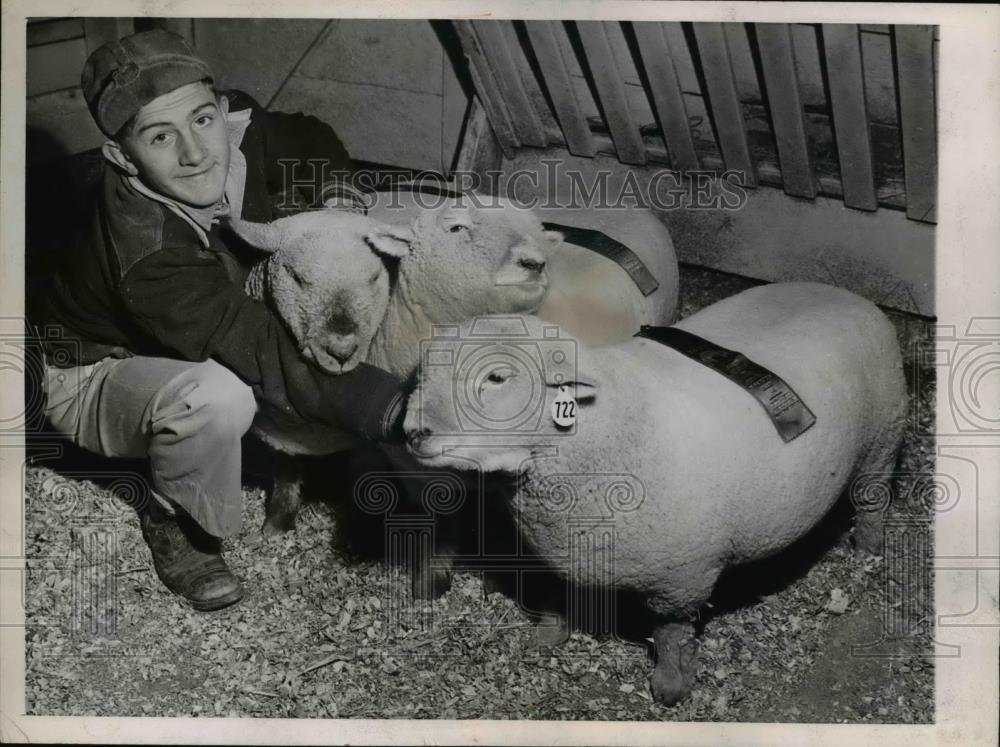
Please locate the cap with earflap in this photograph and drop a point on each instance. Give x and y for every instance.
(122, 76)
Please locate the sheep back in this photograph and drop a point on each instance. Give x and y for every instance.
(593, 297)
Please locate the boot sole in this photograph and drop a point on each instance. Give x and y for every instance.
(210, 605)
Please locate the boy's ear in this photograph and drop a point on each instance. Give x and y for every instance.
(113, 152)
(224, 105)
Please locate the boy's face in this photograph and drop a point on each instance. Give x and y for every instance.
(179, 145)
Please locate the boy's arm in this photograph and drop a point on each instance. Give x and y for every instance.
(182, 298)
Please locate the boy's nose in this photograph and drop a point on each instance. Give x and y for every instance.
(192, 151)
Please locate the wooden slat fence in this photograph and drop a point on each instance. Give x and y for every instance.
(629, 89)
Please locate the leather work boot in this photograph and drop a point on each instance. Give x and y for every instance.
(189, 561)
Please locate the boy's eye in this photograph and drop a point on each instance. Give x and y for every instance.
(204, 119)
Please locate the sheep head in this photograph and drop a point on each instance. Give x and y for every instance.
(484, 397)
(327, 280)
(473, 259)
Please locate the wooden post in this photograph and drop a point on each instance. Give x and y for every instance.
(499, 58)
(724, 102)
(787, 115)
(842, 49)
(917, 110)
(611, 92)
(487, 89)
(573, 124)
(667, 96)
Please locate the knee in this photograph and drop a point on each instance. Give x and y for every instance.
(227, 404)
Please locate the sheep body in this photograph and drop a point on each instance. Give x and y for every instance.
(712, 484)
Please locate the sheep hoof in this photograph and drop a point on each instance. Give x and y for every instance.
(669, 688)
(275, 525)
(550, 631)
(676, 662)
(869, 533)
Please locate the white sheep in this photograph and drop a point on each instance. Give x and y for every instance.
(685, 465)
(453, 263)
(590, 296)
(326, 279)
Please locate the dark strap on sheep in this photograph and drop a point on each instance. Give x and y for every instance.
(616, 251)
(787, 411)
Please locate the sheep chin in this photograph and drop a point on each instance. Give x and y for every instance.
(522, 298)
(445, 454)
(331, 365)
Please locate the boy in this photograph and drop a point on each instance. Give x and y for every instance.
(164, 355)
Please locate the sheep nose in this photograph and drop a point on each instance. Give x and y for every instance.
(418, 436)
(341, 347)
(532, 264)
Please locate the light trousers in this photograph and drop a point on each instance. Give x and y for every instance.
(187, 418)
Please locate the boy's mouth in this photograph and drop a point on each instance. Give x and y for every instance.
(199, 173)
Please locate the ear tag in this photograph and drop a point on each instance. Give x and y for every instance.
(564, 408)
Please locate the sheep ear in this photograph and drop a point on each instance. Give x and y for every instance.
(391, 241)
(268, 237)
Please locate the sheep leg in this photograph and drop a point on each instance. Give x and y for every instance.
(283, 501)
(676, 661)
(868, 532)
(552, 629)
(430, 583)
(869, 519)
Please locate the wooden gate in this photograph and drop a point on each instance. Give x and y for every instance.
(645, 91)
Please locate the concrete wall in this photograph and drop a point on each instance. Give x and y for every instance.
(387, 87)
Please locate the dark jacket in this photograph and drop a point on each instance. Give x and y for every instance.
(139, 281)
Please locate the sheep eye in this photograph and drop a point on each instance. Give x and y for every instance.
(457, 228)
(374, 277)
(499, 376)
(299, 280)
